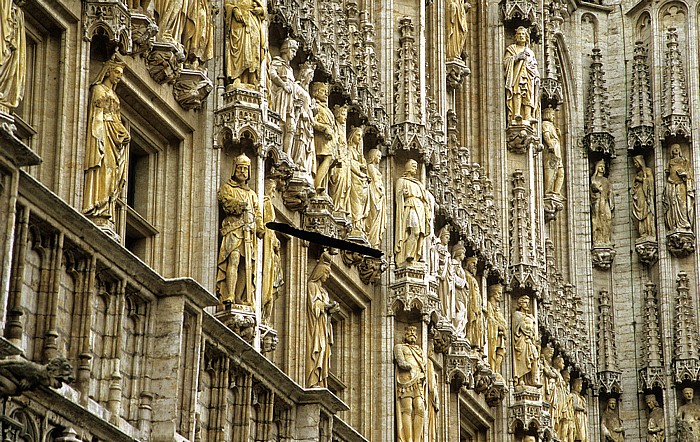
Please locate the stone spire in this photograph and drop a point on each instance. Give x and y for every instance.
(685, 333)
(551, 81)
(652, 374)
(407, 87)
(597, 136)
(640, 126)
(608, 369)
(675, 116)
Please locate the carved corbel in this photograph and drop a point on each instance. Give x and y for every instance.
(240, 319)
(191, 88)
(164, 62)
(143, 32)
(602, 257)
(460, 366)
(680, 243)
(371, 269)
(110, 18)
(647, 250)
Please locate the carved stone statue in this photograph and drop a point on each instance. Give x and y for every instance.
(198, 34)
(525, 345)
(611, 427)
(239, 232)
(412, 216)
(549, 376)
(475, 308)
(496, 327)
(688, 418)
(359, 179)
(170, 17)
(319, 332)
(13, 54)
(282, 90)
(457, 26)
(602, 206)
(246, 42)
(580, 407)
(272, 277)
(522, 80)
(340, 176)
(567, 424)
(410, 387)
(442, 269)
(679, 195)
(554, 166)
(302, 150)
(433, 403)
(375, 223)
(559, 397)
(324, 136)
(106, 146)
(20, 375)
(643, 199)
(460, 287)
(656, 424)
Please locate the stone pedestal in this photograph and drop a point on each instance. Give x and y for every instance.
(521, 137)
(371, 269)
(298, 190)
(681, 243)
(240, 319)
(602, 257)
(192, 88)
(457, 71)
(164, 62)
(553, 204)
(647, 250)
(143, 32)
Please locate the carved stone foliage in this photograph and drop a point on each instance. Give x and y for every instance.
(640, 124)
(109, 17)
(597, 136)
(675, 115)
(685, 337)
(609, 374)
(652, 374)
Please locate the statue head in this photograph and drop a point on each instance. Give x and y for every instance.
(495, 292)
(577, 385)
(410, 335)
(651, 401)
(60, 371)
(111, 71)
(355, 136)
(458, 251)
(688, 394)
(289, 47)
(340, 111)
(675, 150)
(599, 168)
(548, 352)
(548, 114)
(241, 168)
(319, 91)
(411, 167)
(471, 264)
(524, 303)
(611, 404)
(528, 438)
(639, 161)
(374, 156)
(306, 72)
(444, 235)
(270, 186)
(322, 271)
(522, 36)
(558, 362)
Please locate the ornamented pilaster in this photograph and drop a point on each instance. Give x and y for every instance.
(609, 374)
(675, 115)
(597, 136)
(686, 357)
(552, 94)
(640, 126)
(523, 265)
(112, 18)
(652, 375)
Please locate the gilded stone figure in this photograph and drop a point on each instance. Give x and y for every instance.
(559, 397)
(457, 26)
(496, 327)
(611, 427)
(106, 146)
(554, 166)
(375, 223)
(602, 206)
(198, 33)
(246, 42)
(13, 54)
(319, 332)
(413, 219)
(643, 199)
(522, 80)
(433, 402)
(460, 287)
(272, 276)
(170, 17)
(410, 387)
(656, 423)
(340, 176)
(359, 180)
(525, 345)
(679, 195)
(240, 230)
(568, 426)
(324, 136)
(302, 150)
(442, 269)
(580, 407)
(475, 307)
(282, 90)
(688, 418)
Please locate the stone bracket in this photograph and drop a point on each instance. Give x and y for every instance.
(676, 126)
(164, 62)
(647, 250)
(191, 88)
(553, 204)
(298, 190)
(681, 243)
(529, 412)
(457, 70)
(318, 216)
(552, 95)
(370, 269)
(602, 257)
(143, 32)
(240, 319)
(521, 138)
(410, 290)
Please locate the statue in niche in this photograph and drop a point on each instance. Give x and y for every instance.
(554, 166)
(13, 54)
(106, 146)
(442, 268)
(643, 198)
(246, 42)
(522, 80)
(688, 418)
(359, 180)
(525, 345)
(475, 308)
(282, 90)
(302, 150)
(496, 327)
(324, 136)
(433, 402)
(580, 408)
(457, 25)
(410, 386)
(559, 395)
(170, 17)
(413, 220)
(198, 34)
(679, 194)
(319, 332)
(340, 179)
(567, 425)
(272, 276)
(611, 427)
(602, 206)
(656, 424)
(375, 223)
(549, 374)
(240, 229)
(20, 375)
(460, 287)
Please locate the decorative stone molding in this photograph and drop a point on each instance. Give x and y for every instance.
(552, 94)
(602, 257)
(191, 88)
(164, 62)
(610, 382)
(597, 136)
(496, 393)
(143, 32)
(686, 356)
(529, 412)
(640, 125)
(681, 243)
(609, 373)
(652, 375)
(675, 114)
(647, 249)
(109, 17)
(268, 339)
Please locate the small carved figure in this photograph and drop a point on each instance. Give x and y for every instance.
(522, 80)
(567, 424)
(559, 397)
(442, 269)
(460, 287)
(272, 277)
(413, 219)
(340, 176)
(497, 327)
(688, 418)
(246, 43)
(655, 425)
(106, 149)
(282, 90)
(602, 206)
(554, 166)
(580, 407)
(239, 232)
(611, 427)
(302, 150)
(410, 387)
(457, 26)
(13, 54)
(198, 33)
(679, 195)
(549, 376)
(20, 375)
(324, 136)
(433, 403)
(525, 345)
(319, 331)
(643, 199)
(475, 308)
(375, 223)
(359, 180)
